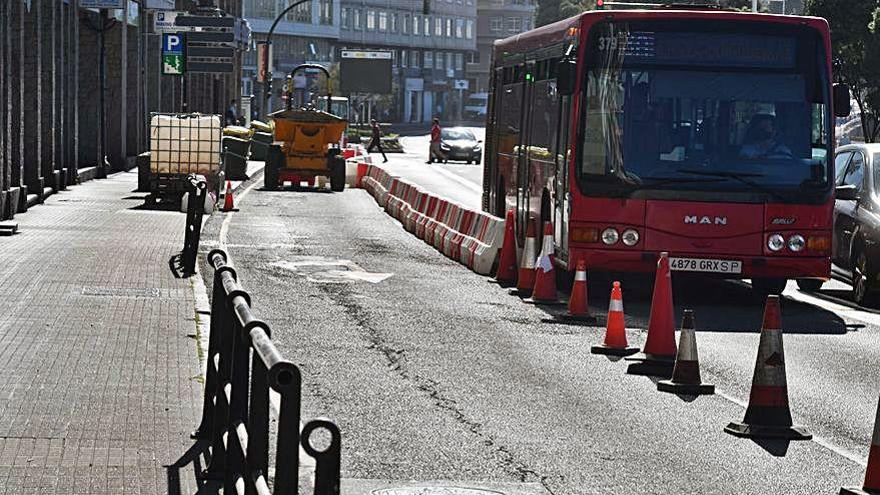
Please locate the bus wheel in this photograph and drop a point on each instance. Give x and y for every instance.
(769, 286)
(809, 284)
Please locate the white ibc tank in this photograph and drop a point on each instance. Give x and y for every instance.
(184, 144)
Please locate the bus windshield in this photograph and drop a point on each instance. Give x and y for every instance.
(680, 110)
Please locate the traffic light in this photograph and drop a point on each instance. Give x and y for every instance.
(600, 4)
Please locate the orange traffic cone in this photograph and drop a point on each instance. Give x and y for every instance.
(872, 473)
(658, 357)
(686, 374)
(578, 302)
(615, 332)
(544, 291)
(228, 203)
(768, 414)
(525, 277)
(506, 272)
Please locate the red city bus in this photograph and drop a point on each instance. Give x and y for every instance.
(706, 134)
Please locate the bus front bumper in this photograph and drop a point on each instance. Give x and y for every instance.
(791, 267)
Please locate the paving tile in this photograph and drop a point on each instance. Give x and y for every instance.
(97, 388)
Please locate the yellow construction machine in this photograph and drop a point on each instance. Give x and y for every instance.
(306, 142)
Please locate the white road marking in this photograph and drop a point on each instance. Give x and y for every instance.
(860, 460)
(224, 227)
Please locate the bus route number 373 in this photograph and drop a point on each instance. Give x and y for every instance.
(705, 265)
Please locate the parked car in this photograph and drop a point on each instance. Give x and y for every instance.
(855, 243)
(459, 143)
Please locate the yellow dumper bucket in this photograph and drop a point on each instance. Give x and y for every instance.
(307, 132)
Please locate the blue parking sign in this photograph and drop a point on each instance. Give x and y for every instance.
(172, 43)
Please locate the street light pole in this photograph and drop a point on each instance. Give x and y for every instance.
(267, 81)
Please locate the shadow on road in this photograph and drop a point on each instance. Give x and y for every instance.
(776, 448)
(719, 306)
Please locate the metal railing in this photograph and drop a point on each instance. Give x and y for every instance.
(243, 365)
(195, 207)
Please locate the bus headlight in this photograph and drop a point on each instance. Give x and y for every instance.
(610, 236)
(630, 237)
(796, 243)
(775, 242)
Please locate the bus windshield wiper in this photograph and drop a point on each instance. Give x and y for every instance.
(742, 177)
(662, 181)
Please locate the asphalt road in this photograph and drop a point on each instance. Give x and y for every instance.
(436, 375)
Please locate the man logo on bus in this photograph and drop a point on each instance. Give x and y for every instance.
(704, 220)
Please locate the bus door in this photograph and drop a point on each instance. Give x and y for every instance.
(523, 182)
(508, 132)
(562, 198)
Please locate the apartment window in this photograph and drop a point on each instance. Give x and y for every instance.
(449, 27)
(393, 23)
(459, 61)
(469, 29)
(346, 18)
(404, 28)
(514, 25)
(371, 20)
(264, 8)
(448, 60)
(301, 13)
(496, 24)
(358, 19)
(459, 28)
(429, 60)
(473, 57)
(470, 2)
(403, 58)
(416, 27)
(383, 21)
(327, 12)
(438, 61)
(527, 24)
(414, 59)
(427, 26)
(438, 26)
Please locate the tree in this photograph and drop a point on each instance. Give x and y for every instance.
(855, 43)
(550, 11)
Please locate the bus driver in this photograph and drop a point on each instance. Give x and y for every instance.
(761, 139)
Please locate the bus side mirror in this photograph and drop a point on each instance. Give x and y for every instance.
(841, 100)
(846, 192)
(566, 76)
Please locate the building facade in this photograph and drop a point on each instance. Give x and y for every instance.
(429, 52)
(307, 33)
(496, 19)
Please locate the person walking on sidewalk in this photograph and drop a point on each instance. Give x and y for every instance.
(376, 140)
(435, 150)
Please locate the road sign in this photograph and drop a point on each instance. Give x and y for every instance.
(102, 4)
(211, 67)
(164, 21)
(172, 54)
(363, 71)
(461, 84)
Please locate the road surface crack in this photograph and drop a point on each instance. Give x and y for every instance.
(396, 359)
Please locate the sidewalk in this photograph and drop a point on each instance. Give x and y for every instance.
(99, 373)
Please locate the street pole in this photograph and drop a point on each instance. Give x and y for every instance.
(267, 81)
(102, 76)
(754, 5)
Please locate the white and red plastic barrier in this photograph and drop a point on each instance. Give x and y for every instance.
(468, 236)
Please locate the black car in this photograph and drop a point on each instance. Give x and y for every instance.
(856, 238)
(459, 143)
